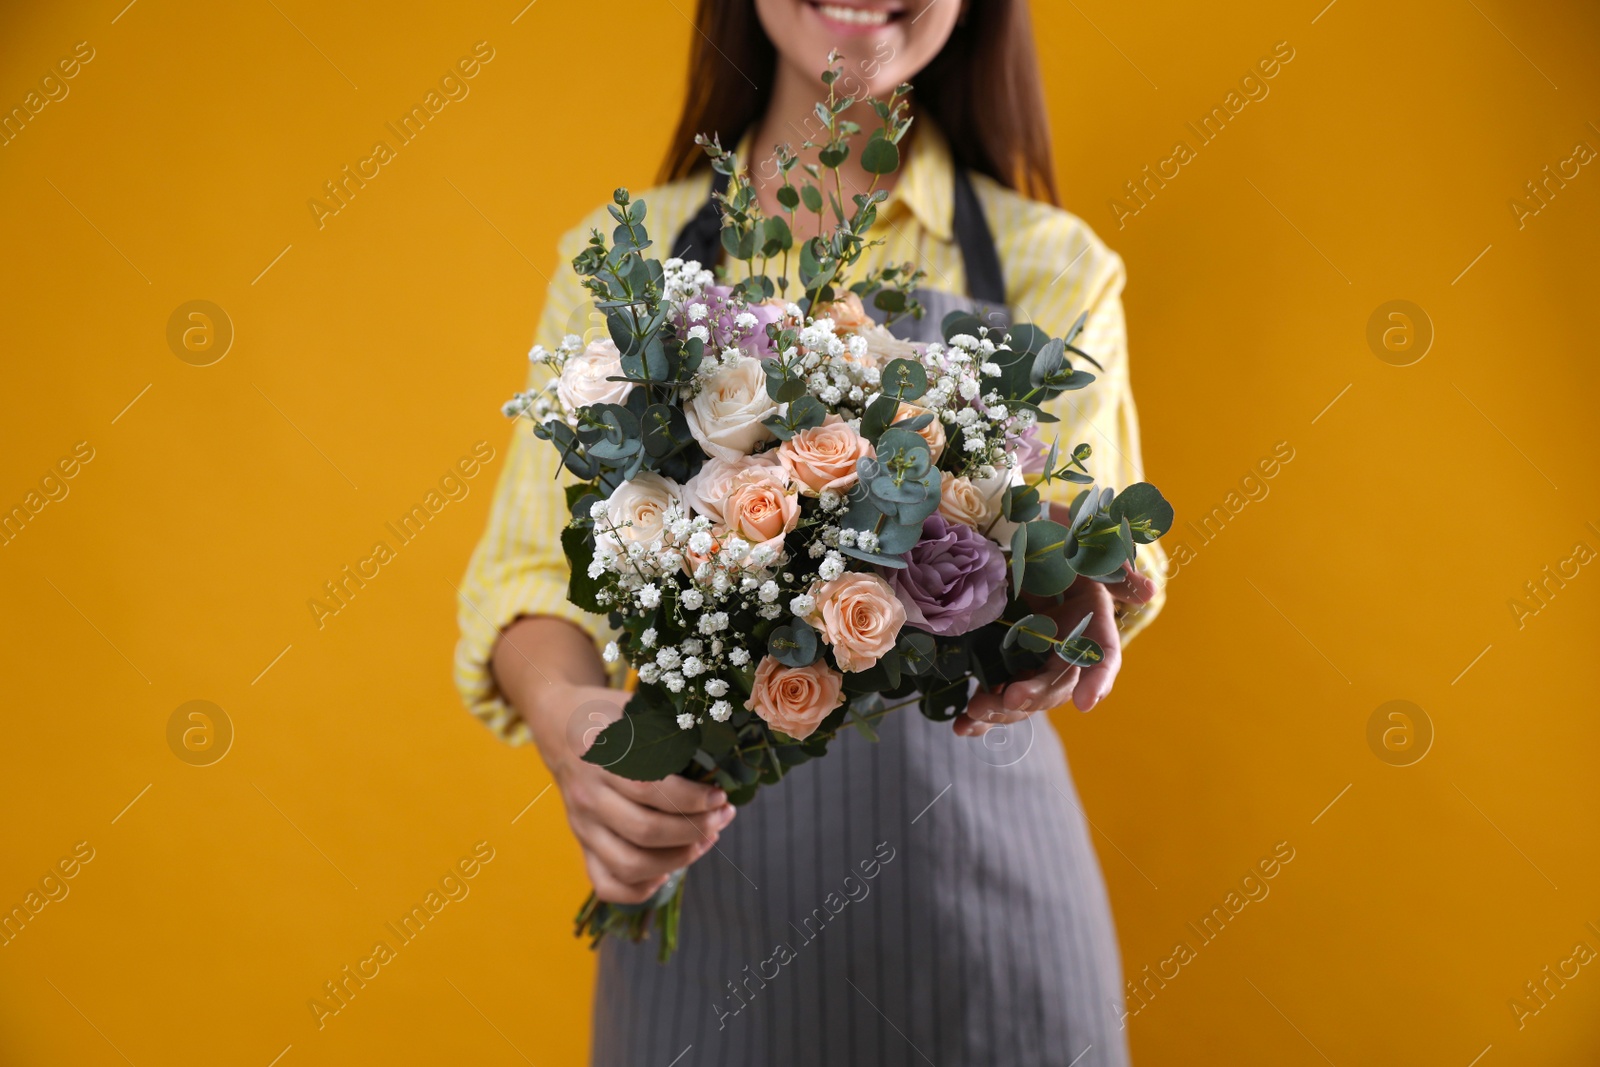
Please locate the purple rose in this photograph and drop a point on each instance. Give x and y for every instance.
(1029, 450)
(954, 580)
(725, 331)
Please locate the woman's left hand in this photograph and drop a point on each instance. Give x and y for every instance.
(1057, 681)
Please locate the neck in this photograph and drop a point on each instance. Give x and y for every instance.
(791, 117)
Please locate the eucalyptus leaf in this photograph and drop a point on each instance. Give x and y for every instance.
(793, 644)
(1146, 510)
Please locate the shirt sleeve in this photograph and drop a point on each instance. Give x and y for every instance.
(518, 568)
(1057, 269)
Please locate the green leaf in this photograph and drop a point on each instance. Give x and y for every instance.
(789, 197)
(904, 378)
(794, 644)
(879, 156)
(944, 702)
(1102, 549)
(646, 744)
(1080, 651)
(1019, 558)
(812, 197)
(578, 545)
(878, 417)
(960, 322)
(860, 708)
(1048, 570)
(1147, 511)
(1032, 632)
(1019, 503)
(917, 651)
(776, 237)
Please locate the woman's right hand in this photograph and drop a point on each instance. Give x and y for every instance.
(633, 834)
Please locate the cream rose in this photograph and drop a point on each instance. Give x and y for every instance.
(933, 433)
(859, 615)
(583, 379)
(794, 700)
(824, 457)
(761, 506)
(882, 346)
(636, 512)
(725, 416)
(706, 491)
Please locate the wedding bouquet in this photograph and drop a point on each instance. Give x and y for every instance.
(796, 521)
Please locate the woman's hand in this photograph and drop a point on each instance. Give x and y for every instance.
(1057, 681)
(633, 834)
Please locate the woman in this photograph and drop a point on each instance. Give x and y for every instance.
(927, 898)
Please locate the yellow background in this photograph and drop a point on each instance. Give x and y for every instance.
(375, 351)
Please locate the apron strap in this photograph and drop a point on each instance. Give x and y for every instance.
(700, 239)
(985, 279)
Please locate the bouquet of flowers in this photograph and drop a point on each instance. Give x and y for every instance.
(796, 521)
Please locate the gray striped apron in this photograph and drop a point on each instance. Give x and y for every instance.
(925, 899)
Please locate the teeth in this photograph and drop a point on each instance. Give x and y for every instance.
(858, 16)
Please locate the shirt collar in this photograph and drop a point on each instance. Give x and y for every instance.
(926, 186)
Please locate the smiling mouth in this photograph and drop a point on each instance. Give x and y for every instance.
(862, 17)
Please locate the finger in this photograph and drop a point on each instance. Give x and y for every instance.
(633, 865)
(647, 827)
(611, 889)
(676, 795)
(983, 705)
(1097, 681)
(1059, 691)
(965, 726)
(1133, 588)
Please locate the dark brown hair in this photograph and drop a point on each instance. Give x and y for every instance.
(982, 90)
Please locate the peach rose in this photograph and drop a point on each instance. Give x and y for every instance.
(976, 503)
(859, 615)
(692, 560)
(847, 313)
(708, 489)
(583, 378)
(761, 507)
(933, 433)
(794, 700)
(824, 457)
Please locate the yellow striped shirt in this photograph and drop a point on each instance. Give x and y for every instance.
(1055, 269)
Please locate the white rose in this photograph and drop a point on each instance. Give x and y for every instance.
(583, 379)
(638, 511)
(725, 417)
(708, 489)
